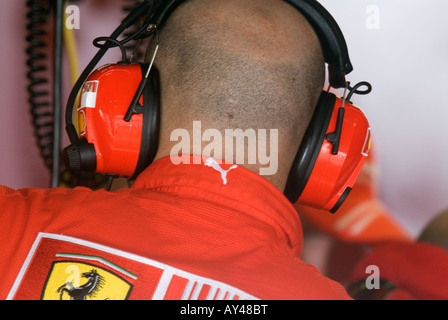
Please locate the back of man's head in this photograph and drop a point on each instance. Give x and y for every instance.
(240, 64)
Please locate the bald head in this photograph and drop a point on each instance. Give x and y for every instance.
(240, 64)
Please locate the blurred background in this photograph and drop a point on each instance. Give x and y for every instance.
(399, 46)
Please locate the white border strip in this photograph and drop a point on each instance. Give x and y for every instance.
(166, 276)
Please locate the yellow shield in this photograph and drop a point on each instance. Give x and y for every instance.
(72, 280)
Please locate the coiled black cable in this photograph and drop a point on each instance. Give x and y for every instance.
(40, 17)
(39, 89)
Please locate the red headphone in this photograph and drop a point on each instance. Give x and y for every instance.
(119, 115)
(109, 144)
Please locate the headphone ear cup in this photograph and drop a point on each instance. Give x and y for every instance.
(109, 143)
(151, 121)
(310, 147)
(329, 162)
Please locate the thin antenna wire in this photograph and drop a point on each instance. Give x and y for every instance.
(156, 49)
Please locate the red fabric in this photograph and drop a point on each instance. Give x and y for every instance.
(417, 270)
(243, 234)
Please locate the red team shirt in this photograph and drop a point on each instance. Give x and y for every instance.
(187, 231)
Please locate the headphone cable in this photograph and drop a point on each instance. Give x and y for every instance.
(354, 90)
(127, 22)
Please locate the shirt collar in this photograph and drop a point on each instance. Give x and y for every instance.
(256, 195)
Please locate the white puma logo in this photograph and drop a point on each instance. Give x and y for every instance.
(210, 162)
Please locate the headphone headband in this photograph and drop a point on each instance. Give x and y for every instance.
(330, 35)
(331, 39)
(320, 175)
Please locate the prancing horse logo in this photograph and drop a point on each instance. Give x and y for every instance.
(93, 285)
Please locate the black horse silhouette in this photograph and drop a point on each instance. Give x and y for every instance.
(93, 285)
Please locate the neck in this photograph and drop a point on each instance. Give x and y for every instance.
(258, 150)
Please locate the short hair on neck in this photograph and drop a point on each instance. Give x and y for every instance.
(211, 71)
